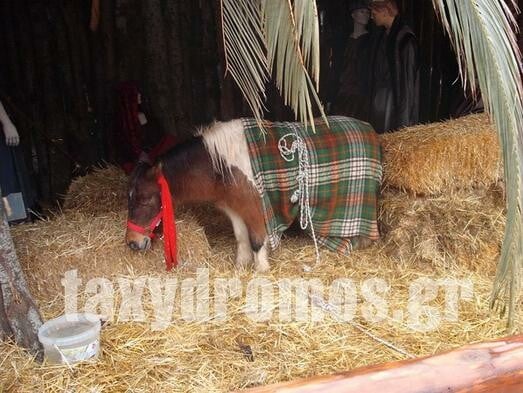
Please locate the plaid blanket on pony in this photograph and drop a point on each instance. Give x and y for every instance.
(339, 183)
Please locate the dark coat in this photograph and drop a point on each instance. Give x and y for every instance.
(353, 86)
(395, 81)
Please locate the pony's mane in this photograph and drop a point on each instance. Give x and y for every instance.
(227, 146)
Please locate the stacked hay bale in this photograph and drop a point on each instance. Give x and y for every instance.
(454, 230)
(440, 158)
(94, 246)
(88, 236)
(448, 230)
(103, 190)
(443, 191)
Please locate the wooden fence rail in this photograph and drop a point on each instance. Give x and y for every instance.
(495, 366)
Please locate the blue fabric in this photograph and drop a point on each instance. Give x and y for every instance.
(16, 210)
(8, 174)
(14, 177)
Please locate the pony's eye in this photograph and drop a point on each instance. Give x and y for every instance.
(146, 201)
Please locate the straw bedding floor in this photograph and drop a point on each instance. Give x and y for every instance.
(449, 236)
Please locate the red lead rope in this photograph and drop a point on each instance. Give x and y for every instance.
(169, 224)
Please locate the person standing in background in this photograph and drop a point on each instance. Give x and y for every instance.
(352, 95)
(394, 84)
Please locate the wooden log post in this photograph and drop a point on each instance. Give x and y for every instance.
(157, 70)
(19, 316)
(180, 83)
(485, 367)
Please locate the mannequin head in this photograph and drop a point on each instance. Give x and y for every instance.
(384, 12)
(361, 16)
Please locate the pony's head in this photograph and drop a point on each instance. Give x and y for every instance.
(144, 207)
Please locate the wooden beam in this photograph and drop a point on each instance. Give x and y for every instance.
(495, 366)
(19, 316)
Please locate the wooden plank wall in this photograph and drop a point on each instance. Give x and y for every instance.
(58, 78)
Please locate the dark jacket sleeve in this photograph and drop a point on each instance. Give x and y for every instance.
(407, 88)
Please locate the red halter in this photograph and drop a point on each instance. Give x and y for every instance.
(149, 229)
(166, 215)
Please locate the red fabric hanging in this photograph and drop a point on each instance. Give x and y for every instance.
(169, 224)
(167, 143)
(95, 15)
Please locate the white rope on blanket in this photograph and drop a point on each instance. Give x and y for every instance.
(300, 195)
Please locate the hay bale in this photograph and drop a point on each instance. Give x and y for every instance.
(103, 190)
(449, 230)
(439, 158)
(95, 246)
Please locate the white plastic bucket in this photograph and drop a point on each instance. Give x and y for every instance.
(71, 338)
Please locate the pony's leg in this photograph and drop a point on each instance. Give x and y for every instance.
(261, 256)
(259, 241)
(253, 233)
(245, 201)
(244, 251)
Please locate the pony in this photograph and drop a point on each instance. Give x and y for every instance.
(216, 167)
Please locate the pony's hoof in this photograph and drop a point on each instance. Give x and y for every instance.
(262, 267)
(243, 258)
(261, 259)
(242, 263)
(360, 242)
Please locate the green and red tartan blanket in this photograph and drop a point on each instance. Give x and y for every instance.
(340, 184)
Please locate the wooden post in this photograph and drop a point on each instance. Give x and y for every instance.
(157, 70)
(485, 367)
(19, 316)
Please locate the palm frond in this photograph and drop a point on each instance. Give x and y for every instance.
(306, 15)
(262, 36)
(482, 34)
(290, 31)
(245, 51)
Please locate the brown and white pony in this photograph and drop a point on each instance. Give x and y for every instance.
(215, 168)
(211, 168)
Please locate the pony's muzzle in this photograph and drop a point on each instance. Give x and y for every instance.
(137, 241)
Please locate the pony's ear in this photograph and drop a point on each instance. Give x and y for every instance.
(158, 169)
